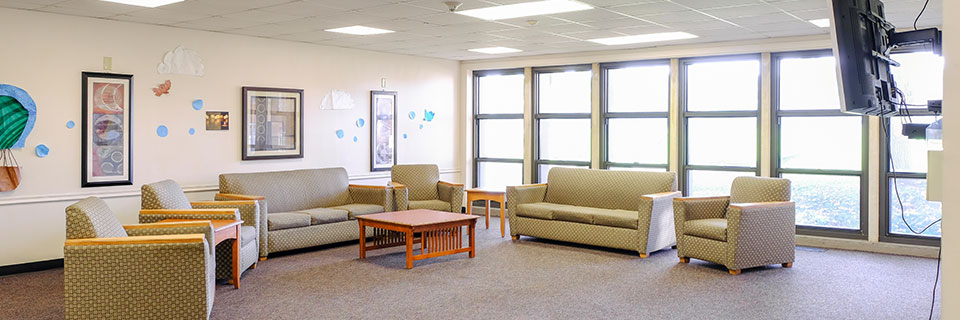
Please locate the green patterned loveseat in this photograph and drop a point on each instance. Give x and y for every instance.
(617, 209)
(306, 208)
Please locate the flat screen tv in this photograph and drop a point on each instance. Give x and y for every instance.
(861, 45)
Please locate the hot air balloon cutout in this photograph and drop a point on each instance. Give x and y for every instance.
(18, 114)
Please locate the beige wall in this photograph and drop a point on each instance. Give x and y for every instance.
(764, 47)
(951, 149)
(46, 54)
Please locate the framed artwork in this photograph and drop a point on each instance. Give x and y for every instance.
(218, 120)
(383, 130)
(272, 123)
(107, 119)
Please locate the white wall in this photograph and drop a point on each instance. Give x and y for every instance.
(46, 54)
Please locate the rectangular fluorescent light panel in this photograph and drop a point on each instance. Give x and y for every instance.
(525, 9)
(641, 38)
(823, 23)
(495, 50)
(145, 3)
(359, 30)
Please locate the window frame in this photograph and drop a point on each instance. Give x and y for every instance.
(776, 114)
(886, 176)
(477, 117)
(685, 115)
(606, 115)
(537, 116)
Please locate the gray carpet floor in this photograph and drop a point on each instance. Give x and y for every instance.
(542, 280)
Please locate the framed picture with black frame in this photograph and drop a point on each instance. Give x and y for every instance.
(107, 123)
(272, 123)
(383, 130)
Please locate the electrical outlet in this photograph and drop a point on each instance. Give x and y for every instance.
(383, 83)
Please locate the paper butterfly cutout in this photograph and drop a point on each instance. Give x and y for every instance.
(162, 89)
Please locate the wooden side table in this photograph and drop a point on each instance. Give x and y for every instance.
(487, 196)
(222, 231)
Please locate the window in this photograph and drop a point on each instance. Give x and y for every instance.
(498, 128)
(562, 106)
(903, 193)
(818, 147)
(635, 105)
(720, 102)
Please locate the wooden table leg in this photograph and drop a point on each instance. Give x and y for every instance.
(487, 207)
(363, 239)
(473, 247)
(502, 224)
(469, 204)
(409, 234)
(236, 257)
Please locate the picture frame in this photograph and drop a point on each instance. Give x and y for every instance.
(217, 121)
(272, 123)
(106, 131)
(383, 130)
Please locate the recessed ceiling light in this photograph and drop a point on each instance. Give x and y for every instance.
(640, 38)
(145, 3)
(495, 50)
(823, 23)
(525, 9)
(359, 30)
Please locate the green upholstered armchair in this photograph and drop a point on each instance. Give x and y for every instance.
(754, 226)
(166, 200)
(418, 186)
(146, 271)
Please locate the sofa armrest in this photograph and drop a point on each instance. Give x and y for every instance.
(378, 195)
(170, 228)
(233, 196)
(249, 209)
(106, 274)
(401, 196)
(656, 221)
(770, 225)
(517, 195)
(451, 193)
(261, 217)
(155, 215)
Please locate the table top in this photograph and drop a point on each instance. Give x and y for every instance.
(217, 224)
(480, 190)
(419, 217)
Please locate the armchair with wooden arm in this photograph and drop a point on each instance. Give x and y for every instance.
(111, 269)
(752, 227)
(419, 187)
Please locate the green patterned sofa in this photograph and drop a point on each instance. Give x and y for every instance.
(617, 209)
(305, 208)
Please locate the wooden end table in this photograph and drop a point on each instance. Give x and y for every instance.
(222, 231)
(487, 196)
(440, 233)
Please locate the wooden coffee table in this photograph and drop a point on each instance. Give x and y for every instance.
(224, 230)
(440, 232)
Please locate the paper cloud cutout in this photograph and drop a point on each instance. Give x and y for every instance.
(42, 151)
(181, 61)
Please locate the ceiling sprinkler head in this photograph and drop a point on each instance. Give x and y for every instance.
(532, 22)
(453, 5)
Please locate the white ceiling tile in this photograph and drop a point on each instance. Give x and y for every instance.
(394, 11)
(646, 9)
(617, 23)
(699, 25)
(399, 24)
(796, 5)
(206, 7)
(354, 4)
(764, 19)
(266, 30)
(587, 35)
(706, 4)
(742, 11)
(311, 36)
(446, 18)
(77, 12)
(28, 5)
(563, 28)
(262, 16)
(614, 3)
(304, 8)
(216, 24)
(812, 14)
(677, 17)
(352, 18)
(588, 15)
(105, 7)
(160, 16)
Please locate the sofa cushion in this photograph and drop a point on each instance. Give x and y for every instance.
(325, 215)
(429, 204)
(538, 210)
(715, 229)
(247, 235)
(575, 214)
(287, 220)
(359, 209)
(617, 218)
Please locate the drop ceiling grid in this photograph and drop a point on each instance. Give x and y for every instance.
(426, 28)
